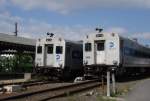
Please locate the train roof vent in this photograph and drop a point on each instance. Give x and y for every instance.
(99, 30)
(135, 39)
(50, 34)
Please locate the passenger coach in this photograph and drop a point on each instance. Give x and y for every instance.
(57, 57)
(102, 51)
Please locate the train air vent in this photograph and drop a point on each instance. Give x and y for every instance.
(99, 35)
(48, 39)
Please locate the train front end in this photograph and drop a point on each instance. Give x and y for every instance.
(100, 51)
(50, 56)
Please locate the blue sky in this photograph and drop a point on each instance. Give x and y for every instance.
(76, 18)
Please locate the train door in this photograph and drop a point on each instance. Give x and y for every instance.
(100, 52)
(68, 60)
(49, 55)
(121, 52)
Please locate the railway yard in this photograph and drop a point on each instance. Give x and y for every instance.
(74, 50)
(101, 67)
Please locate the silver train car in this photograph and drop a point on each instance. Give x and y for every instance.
(57, 57)
(102, 51)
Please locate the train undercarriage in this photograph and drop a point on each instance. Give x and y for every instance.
(96, 71)
(58, 73)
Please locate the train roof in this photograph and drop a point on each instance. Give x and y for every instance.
(60, 38)
(134, 41)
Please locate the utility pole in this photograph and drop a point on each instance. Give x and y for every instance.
(16, 29)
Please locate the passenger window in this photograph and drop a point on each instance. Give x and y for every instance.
(39, 49)
(50, 49)
(59, 49)
(88, 47)
(100, 46)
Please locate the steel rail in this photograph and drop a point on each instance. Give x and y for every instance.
(50, 93)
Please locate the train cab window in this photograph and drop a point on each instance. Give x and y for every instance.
(39, 49)
(59, 49)
(100, 46)
(88, 47)
(50, 49)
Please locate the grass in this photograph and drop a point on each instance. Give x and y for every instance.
(101, 98)
(121, 91)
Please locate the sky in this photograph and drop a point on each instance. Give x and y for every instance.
(73, 19)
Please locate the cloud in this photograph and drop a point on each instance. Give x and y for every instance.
(145, 35)
(36, 29)
(118, 30)
(3, 5)
(32, 28)
(39, 29)
(2, 2)
(7, 22)
(66, 6)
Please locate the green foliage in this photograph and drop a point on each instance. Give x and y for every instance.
(16, 64)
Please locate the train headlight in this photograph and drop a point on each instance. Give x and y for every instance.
(85, 62)
(36, 65)
(115, 62)
(60, 65)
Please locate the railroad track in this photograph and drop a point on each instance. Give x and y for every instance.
(36, 83)
(51, 93)
(27, 84)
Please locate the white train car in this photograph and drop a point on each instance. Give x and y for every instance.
(58, 57)
(104, 50)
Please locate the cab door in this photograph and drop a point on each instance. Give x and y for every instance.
(49, 55)
(100, 52)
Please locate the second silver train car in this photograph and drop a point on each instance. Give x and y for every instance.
(57, 57)
(104, 50)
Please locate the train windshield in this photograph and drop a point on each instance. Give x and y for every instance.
(50, 49)
(100, 46)
(59, 49)
(39, 49)
(88, 47)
